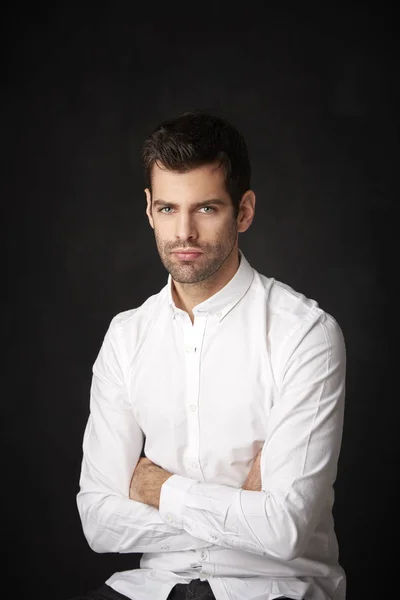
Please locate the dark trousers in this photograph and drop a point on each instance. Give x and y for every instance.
(195, 590)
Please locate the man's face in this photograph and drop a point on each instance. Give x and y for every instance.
(192, 211)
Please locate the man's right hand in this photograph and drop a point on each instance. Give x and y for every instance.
(253, 481)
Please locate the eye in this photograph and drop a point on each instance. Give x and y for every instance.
(163, 208)
(210, 209)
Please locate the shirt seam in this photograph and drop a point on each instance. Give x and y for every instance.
(328, 362)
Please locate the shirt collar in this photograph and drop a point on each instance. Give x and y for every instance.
(223, 301)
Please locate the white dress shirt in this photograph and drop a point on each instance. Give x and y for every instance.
(262, 366)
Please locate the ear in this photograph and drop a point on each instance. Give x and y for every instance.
(148, 207)
(246, 211)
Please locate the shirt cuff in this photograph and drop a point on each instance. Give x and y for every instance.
(172, 499)
(253, 504)
(252, 514)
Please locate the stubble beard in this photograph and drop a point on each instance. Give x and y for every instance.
(214, 257)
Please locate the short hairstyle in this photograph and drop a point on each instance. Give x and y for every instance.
(195, 139)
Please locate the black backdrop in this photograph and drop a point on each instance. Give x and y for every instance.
(314, 94)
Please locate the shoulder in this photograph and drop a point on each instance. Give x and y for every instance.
(125, 336)
(135, 316)
(291, 313)
(299, 331)
(128, 327)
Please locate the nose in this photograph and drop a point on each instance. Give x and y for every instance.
(185, 227)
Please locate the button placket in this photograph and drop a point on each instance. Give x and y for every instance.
(193, 337)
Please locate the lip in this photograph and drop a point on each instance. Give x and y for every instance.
(188, 255)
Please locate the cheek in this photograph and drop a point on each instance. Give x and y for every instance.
(163, 232)
(162, 237)
(227, 228)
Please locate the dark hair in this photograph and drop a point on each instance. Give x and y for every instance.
(197, 138)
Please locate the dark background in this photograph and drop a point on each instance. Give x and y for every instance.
(314, 93)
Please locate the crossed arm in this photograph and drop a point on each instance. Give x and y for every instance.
(153, 508)
(148, 479)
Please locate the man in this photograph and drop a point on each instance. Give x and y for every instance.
(234, 383)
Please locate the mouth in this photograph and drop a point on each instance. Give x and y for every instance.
(187, 255)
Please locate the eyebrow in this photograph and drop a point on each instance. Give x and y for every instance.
(216, 201)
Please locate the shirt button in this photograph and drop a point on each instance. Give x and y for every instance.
(213, 537)
(203, 555)
(170, 519)
(190, 348)
(195, 465)
(192, 407)
(164, 547)
(218, 314)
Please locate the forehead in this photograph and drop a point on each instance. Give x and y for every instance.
(203, 180)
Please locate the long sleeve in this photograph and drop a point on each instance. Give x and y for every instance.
(112, 445)
(298, 462)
